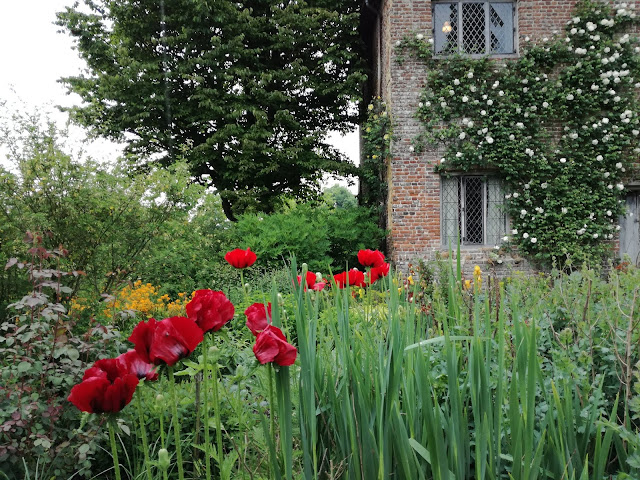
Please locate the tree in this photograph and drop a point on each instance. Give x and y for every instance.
(339, 197)
(248, 88)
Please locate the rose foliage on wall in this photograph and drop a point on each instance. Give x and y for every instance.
(559, 125)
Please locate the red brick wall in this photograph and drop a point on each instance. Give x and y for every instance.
(414, 189)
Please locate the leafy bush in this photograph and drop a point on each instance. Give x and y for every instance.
(321, 235)
(41, 359)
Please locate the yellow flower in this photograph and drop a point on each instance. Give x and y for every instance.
(370, 107)
(410, 280)
(467, 284)
(477, 271)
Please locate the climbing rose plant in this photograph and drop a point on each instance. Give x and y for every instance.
(559, 125)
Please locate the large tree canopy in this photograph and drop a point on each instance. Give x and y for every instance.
(245, 90)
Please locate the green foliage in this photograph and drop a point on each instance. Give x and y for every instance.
(559, 125)
(376, 154)
(247, 89)
(102, 214)
(339, 197)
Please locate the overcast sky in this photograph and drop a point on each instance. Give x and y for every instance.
(34, 56)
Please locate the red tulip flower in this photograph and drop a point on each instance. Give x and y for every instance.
(370, 258)
(132, 362)
(239, 258)
(258, 317)
(352, 277)
(210, 310)
(166, 341)
(104, 388)
(377, 272)
(272, 346)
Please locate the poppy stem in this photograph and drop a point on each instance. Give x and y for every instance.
(143, 433)
(216, 401)
(244, 290)
(176, 422)
(205, 400)
(114, 450)
(272, 411)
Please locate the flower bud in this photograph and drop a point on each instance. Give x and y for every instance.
(160, 399)
(163, 459)
(318, 277)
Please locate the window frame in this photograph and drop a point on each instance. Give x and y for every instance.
(460, 215)
(486, 4)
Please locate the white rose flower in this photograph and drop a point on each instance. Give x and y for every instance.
(570, 97)
(534, 239)
(419, 36)
(514, 231)
(516, 195)
(470, 75)
(523, 212)
(489, 139)
(620, 186)
(599, 158)
(465, 99)
(462, 135)
(564, 210)
(595, 235)
(544, 185)
(525, 235)
(458, 154)
(456, 82)
(563, 160)
(619, 165)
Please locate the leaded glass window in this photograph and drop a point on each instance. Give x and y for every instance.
(474, 27)
(472, 209)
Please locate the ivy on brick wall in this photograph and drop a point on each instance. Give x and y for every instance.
(559, 125)
(376, 135)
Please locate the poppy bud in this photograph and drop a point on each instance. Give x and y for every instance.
(163, 459)
(160, 399)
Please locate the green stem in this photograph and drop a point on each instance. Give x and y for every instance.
(114, 449)
(176, 422)
(162, 440)
(272, 405)
(244, 291)
(216, 401)
(205, 384)
(145, 443)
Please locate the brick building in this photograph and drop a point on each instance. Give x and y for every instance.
(421, 205)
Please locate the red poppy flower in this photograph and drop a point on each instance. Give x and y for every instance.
(104, 388)
(352, 277)
(370, 258)
(377, 272)
(167, 341)
(239, 258)
(258, 317)
(310, 280)
(318, 286)
(272, 346)
(210, 310)
(132, 362)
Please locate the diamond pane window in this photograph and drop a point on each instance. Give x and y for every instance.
(473, 27)
(472, 208)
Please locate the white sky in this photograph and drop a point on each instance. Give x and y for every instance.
(34, 56)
